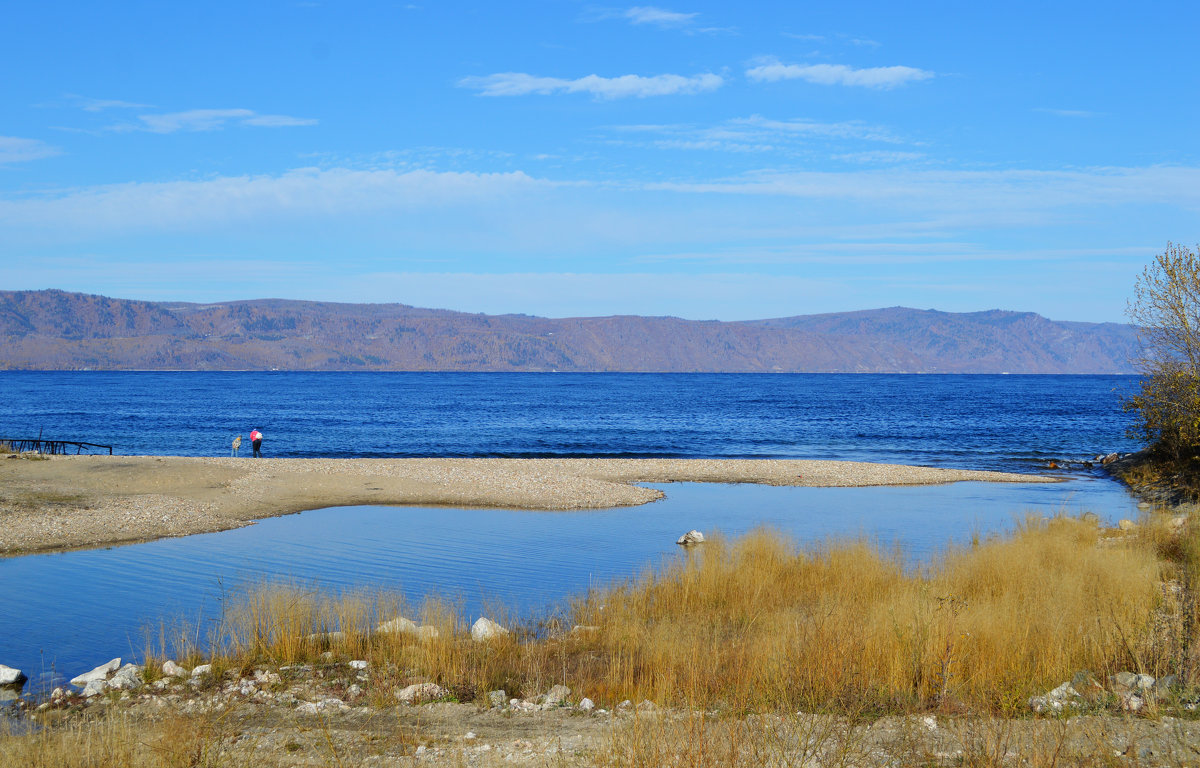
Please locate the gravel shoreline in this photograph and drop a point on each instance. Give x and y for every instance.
(70, 502)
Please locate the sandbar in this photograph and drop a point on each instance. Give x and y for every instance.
(70, 502)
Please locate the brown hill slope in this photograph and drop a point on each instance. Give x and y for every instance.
(59, 330)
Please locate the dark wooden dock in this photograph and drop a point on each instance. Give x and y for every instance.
(52, 447)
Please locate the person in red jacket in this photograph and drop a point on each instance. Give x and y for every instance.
(256, 442)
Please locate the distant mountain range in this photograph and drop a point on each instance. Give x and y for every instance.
(58, 330)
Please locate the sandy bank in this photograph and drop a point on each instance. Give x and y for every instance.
(68, 502)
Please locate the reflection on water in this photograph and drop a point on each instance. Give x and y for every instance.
(65, 613)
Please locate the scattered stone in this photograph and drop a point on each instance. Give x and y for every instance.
(421, 692)
(690, 538)
(58, 694)
(470, 735)
(1054, 701)
(1126, 525)
(10, 677)
(1131, 702)
(580, 629)
(1123, 682)
(128, 676)
(586, 705)
(99, 673)
(171, 669)
(359, 664)
(625, 704)
(203, 669)
(486, 629)
(497, 698)
(1086, 685)
(646, 706)
(556, 696)
(324, 705)
(930, 722)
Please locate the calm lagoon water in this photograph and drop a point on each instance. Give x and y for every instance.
(64, 613)
(68, 612)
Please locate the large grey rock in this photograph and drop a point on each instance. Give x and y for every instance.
(128, 676)
(486, 629)
(556, 696)
(99, 673)
(587, 705)
(203, 669)
(497, 698)
(421, 692)
(690, 538)
(94, 688)
(10, 677)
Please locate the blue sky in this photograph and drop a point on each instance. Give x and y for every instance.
(568, 158)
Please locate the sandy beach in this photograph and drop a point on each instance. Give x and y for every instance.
(67, 502)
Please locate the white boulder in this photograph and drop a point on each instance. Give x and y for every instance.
(203, 669)
(690, 538)
(398, 625)
(171, 669)
(486, 629)
(10, 676)
(421, 692)
(99, 673)
(94, 688)
(128, 676)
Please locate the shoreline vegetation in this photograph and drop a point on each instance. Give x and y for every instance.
(71, 502)
(1062, 643)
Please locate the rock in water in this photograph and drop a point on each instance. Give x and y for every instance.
(486, 629)
(690, 538)
(11, 677)
(99, 673)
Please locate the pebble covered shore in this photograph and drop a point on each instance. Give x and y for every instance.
(66, 502)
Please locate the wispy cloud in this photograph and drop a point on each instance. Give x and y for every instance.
(761, 134)
(660, 17)
(209, 120)
(839, 74)
(1067, 112)
(88, 104)
(16, 150)
(624, 86)
(302, 192)
(877, 156)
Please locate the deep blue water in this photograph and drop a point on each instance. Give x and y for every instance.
(993, 422)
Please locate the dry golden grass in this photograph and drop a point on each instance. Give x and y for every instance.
(758, 625)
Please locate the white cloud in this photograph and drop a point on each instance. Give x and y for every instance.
(209, 120)
(16, 150)
(839, 74)
(624, 86)
(647, 14)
